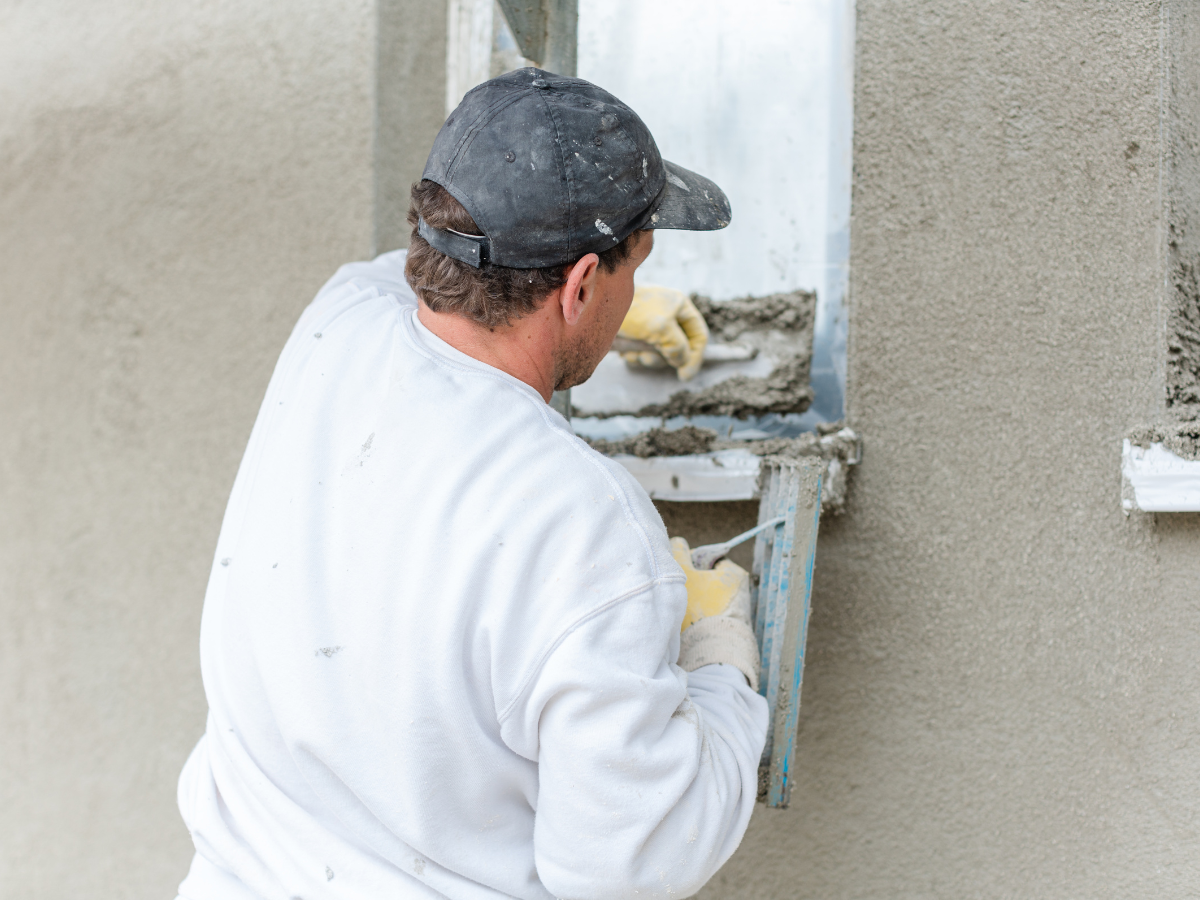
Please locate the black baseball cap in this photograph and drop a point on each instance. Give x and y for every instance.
(552, 168)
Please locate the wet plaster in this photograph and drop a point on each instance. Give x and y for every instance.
(1182, 440)
(779, 325)
(790, 313)
(1182, 170)
(785, 390)
(829, 441)
(660, 442)
(777, 329)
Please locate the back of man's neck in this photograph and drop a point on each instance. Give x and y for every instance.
(523, 349)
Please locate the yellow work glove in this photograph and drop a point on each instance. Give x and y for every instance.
(716, 626)
(667, 320)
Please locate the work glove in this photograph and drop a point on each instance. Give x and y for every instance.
(716, 627)
(668, 321)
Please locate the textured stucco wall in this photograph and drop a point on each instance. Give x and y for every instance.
(1000, 696)
(1182, 138)
(1002, 685)
(410, 107)
(176, 181)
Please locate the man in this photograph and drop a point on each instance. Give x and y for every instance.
(441, 639)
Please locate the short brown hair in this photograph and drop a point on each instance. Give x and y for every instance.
(490, 295)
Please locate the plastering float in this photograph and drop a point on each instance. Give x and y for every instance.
(789, 514)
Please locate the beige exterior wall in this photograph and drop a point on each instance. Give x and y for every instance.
(1002, 683)
(176, 181)
(1004, 670)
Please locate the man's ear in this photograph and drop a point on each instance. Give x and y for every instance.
(580, 288)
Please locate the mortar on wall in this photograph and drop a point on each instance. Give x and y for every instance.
(758, 362)
(710, 431)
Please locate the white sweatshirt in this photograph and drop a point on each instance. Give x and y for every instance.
(438, 644)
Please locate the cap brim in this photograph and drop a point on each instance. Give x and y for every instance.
(689, 202)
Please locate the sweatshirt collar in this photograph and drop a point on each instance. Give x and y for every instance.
(428, 342)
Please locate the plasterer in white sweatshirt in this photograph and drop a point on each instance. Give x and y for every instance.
(441, 639)
(438, 644)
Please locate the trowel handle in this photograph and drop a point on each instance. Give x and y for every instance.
(706, 557)
(629, 345)
(713, 352)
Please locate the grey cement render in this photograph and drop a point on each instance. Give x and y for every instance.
(1002, 681)
(410, 78)
(1001, 697)
(1182, 141)
(176, 182)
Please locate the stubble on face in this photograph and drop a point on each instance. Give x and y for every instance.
(575, 363)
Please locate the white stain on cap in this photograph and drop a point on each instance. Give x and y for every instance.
(678, 182)
(602, 228)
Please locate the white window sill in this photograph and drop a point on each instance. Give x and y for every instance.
(1154, 479)
(721, 475)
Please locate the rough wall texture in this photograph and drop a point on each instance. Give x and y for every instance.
(411, 80)
(1182, 127)
(1000, 696)
(176, 181)
(1001, 690)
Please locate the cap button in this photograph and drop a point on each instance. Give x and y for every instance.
(539, 82)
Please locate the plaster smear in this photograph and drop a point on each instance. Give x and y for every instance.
(791, 313)
(660, 442)
(776, 330)
(1183, 440)
(830, 441)
(839, 446)
(1183, 237)
(1183, 341)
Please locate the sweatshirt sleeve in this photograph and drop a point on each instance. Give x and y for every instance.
(647, 776)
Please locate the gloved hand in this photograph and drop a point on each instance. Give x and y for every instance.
(716, 627)
(667, 320)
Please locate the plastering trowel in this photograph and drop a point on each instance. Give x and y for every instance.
(713, 353)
